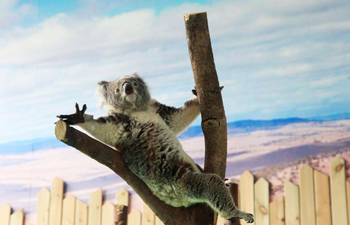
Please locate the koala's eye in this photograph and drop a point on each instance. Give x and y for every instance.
(117, 90)
(135, 84)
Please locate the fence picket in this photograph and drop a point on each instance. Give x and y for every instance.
(68, 212)
(108, 211)
(55, 214)
(277, 216)
(81, 213)
(5, 212)
(338, 192)
(43, 207)
(348, 198)
(292, 212)
(322, 199)
(17, 218)
(95, 207)
(134, 217)
(246, 184)
(262, 205)
(148, 217)
(307, 195)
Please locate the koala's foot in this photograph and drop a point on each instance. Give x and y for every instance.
(249, 218)
(77, 117)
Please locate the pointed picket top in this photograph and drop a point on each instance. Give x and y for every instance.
(122, 197)
(17, 218)
(262, 182)
(337, 166)
(305, 168)
(247, 174)
(57, 181)
(5, 212)
(43, 207)
(134, 217)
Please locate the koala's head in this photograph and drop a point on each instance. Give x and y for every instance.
(128, 93)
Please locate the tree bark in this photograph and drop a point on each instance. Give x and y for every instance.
(209, 93)
(213, 125)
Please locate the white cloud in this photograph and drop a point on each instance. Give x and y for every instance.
(11, 12)
(267, 54)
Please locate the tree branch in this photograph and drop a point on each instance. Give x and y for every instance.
(114, 160)
(208, 92)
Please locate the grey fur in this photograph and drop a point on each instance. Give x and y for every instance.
(145, 130)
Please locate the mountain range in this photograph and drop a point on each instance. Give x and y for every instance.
(242, 126)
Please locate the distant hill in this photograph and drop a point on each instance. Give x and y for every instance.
(340, 116)
(243, 126)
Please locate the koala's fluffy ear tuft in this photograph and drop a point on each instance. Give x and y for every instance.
(103, 83)
(102, 93)
(135, 74)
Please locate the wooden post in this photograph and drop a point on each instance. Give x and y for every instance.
(121, 208)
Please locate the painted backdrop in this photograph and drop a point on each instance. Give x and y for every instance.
(284, 64)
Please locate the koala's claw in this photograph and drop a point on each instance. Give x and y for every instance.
(194, 91)
(77, 117)
(249, 218)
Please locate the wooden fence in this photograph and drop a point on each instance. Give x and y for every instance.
(318, 200)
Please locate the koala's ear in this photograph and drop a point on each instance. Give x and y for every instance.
(103, 83)
(136, 75)
(101, 92)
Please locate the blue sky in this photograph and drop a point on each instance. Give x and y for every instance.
(275, 58)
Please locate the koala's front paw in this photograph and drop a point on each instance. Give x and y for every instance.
(77, 117)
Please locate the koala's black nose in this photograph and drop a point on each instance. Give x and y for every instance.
(128, 88)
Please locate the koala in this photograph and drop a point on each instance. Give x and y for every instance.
(145, 132)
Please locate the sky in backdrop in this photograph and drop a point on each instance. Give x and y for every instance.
(276, 59)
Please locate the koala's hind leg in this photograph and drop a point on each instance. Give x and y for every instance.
(211, 189)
